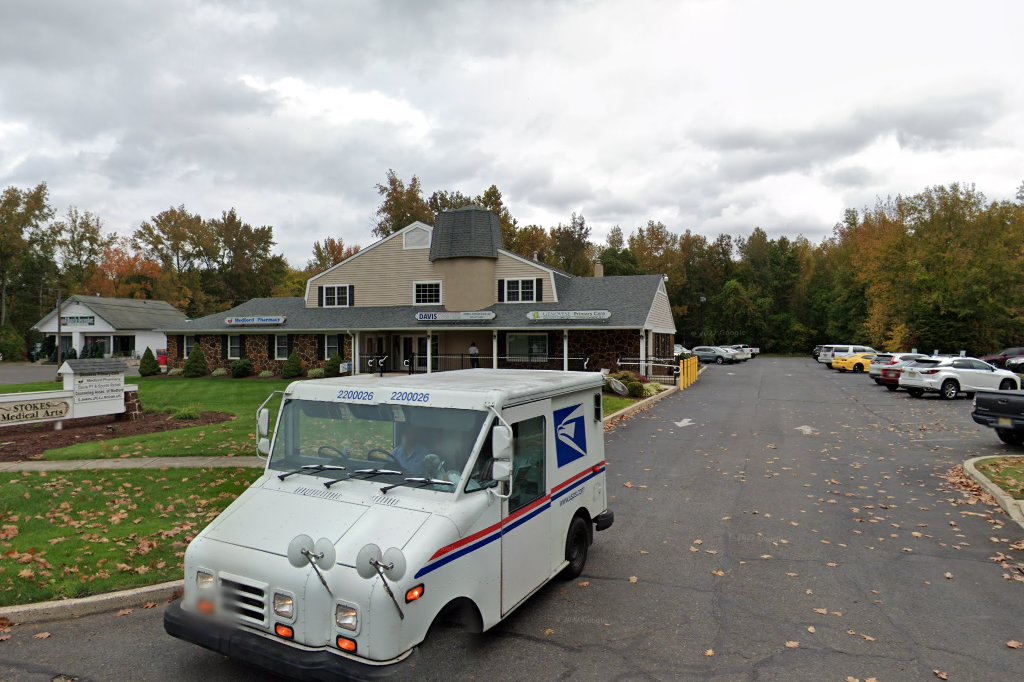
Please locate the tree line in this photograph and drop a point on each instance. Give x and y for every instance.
(943, 268)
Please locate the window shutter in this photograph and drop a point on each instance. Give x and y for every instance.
(502, 344)
(501, 291)
(271, 347)
(291, 343)
(320, 297)
(341, 347)
(351, 294)
(538, 290)
(181, 347)
(320, 349)
(241, 346)
(224, 347)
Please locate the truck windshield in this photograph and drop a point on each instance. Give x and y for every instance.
(420, 442)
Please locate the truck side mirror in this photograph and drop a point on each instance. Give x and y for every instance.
(263, 446)
(263, 422)
(501, 470)
(501, 443)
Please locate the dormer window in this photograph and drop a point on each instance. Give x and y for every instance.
(520, 290)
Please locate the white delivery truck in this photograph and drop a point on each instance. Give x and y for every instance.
(388, 503)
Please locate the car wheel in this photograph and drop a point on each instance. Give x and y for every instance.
(719, 360)
(1010, 437)
(949, 389)
(892, 388)
(858, 367)
(915, 392)
(577, 542)
(1006, 385)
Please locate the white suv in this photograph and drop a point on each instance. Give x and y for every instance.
(830, 352)
(949, 376)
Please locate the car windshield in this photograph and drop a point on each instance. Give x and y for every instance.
(418, 442)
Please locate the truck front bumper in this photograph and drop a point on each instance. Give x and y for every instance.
(270, 654)
(604, 520)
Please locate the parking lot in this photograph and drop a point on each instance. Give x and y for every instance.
(778, 521)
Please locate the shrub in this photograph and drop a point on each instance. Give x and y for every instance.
(50, 347)
(333, 366)
(636, 389)
(241, 368)
(292, 367)
(148, 366)
(189, 412)
(72, 354)
(316, 373)
(12, 344)
(266, 374)
(177, 371)
(219, 372)
(196, 365)
(652, 388)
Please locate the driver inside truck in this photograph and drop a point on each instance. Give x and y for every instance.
(412, 455)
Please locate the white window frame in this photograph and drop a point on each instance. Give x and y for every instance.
(519, 290)
(327, 346)
(440, 292)
(336, 289)
(277, 346)
(190, 344)
(515, 357)
(237, 339)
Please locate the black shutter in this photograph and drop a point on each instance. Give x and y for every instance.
(224, 347)
(320, 349)
(241, 346)
(351, 294)
(539, 290)
(291, 343)
(271, 347)
(320, 297)
(501, 291)
(341, 348)
(181, 347)
(502, 344)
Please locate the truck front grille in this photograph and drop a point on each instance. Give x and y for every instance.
(245, 599)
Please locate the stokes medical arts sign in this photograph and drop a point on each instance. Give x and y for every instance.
(21, 411)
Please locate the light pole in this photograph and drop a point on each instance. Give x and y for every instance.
(703, 300)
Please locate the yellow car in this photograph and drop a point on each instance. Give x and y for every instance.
(861, 362)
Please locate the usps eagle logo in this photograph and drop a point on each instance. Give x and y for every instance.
(570, 434)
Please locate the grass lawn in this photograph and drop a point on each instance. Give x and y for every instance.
(78, 533)
(239, 397)
(614, 403)
(1007, 473)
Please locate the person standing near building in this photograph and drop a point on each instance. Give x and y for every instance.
(474, 355)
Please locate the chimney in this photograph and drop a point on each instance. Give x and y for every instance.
(598, 269)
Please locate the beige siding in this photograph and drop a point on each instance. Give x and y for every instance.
(381, 276)
(660, 317)
(512, 268)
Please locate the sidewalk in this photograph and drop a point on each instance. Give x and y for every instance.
(248, 462)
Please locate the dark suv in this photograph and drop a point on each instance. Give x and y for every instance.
(999, 359)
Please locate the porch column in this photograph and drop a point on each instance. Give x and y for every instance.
(430, 350)
(355, 353)
(494, 349)
(565, 350)
(643, 352)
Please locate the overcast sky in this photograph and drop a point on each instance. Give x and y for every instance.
(710, 116)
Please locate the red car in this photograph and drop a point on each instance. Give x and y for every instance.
(999, 359)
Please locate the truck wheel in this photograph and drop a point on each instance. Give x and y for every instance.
(915, 392)
(891, 387)
(1006, 385)
(949, 389)
(577, 542)
(1010, 437)
(719, 360)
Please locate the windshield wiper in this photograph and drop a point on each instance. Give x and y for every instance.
(310, 469)
(366, 473)
(423, 483)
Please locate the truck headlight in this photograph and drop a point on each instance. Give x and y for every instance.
(346, 617)
(204, 580)
(284, 605)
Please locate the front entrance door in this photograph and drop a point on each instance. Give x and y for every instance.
(526, 549)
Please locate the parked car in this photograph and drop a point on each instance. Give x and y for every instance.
(742, 354)
(1002, 411)
(889, 360)
(714, 355)
(831, 351)
(679, 350)
(816, 352)
(754, 352)
(1016, 365)
(999, 359)
(950, 376)
(853, 363)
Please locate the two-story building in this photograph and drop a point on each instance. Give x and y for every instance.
(435, 298)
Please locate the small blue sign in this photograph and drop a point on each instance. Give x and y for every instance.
(570, 434)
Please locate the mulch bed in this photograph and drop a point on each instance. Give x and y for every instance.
(19, 443)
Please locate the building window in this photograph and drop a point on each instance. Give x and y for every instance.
(330, 346)
(519, 291)
(417, 238)
(427, 293)
(335, 296)
(234, 347)
(190, 343)
(281, 347)
(528, 347)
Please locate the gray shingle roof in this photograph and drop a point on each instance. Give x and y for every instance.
(128, 313)
(96, 366)
(468, 232)
(629, 299)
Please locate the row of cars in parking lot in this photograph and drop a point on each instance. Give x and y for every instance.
(720, 355)
(998, 399)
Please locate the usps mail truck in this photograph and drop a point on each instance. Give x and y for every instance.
(389, 503)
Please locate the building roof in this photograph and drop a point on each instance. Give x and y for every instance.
(468, 232)
(127, 313)
(90, 366)
(628, 298)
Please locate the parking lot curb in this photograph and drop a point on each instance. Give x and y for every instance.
(66, 609)
(636, 407)
(1014, 508)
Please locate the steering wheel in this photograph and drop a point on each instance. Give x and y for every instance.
(331, 450)
(391, 458)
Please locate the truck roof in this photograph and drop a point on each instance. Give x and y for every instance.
(506, 386)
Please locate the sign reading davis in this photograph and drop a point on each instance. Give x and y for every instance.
(15, 409)
(568, 315)
(454, 317)
(255, 321)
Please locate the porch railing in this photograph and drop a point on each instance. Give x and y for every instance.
(662, 370)
(417, 364)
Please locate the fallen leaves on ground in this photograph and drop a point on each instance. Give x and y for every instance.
(549, 631)
(792, 645)
(1014, 644)
(633, 580)
(41, 635)
(124, 612)
(709, 652)
(718, 573)
(941, 674)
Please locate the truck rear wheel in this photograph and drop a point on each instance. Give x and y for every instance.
(1006, 385)
(891, 387)
(577, 543)
(1010, 437)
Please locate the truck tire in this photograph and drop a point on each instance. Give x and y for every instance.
(577, 542)
(949, 389)
(1010, 437)
(1006, 385)
(915, 392)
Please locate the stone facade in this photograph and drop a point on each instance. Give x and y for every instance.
(604, 347)
(132, 406)
(257, 351)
